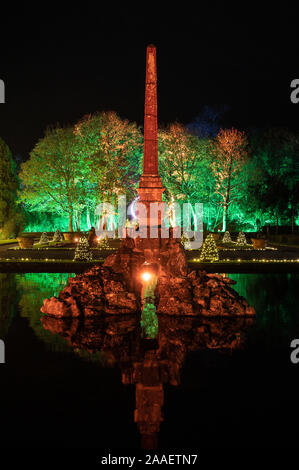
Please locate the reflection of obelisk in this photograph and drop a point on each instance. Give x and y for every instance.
(150, 185)
(149, 374)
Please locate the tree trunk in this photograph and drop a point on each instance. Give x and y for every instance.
(88, 223)
(227, 196)
(292, 218)
(76, 220)
(276, 222)
(216, 225)
(71, 222)
(224, 218)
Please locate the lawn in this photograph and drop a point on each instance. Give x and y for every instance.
(8, 241)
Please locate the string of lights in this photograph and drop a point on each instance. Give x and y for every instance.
(197, 260)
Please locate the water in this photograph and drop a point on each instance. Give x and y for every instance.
(227, 383)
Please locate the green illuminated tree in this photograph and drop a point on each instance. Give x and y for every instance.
(55, 178)
(273, 184)
(113, 147)
(8, 191)
(184, 164)
(229, 149)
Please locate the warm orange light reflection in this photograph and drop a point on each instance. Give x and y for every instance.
(146, 276)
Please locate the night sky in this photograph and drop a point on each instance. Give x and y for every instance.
(58, 67)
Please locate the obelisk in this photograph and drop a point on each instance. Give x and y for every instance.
(150, 186)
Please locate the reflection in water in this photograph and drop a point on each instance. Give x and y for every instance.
(274, 299)
(32, 288)
(149, 320)
(146, 363)
(149, 351)
(151, 363)
(8, 302)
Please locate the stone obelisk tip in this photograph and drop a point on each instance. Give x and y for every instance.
(150, 156)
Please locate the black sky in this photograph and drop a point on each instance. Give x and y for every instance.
(58, 67)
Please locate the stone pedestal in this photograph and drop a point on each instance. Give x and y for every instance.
(150, 188)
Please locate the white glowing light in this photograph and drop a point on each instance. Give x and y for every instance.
(132, 208)
(146, 276)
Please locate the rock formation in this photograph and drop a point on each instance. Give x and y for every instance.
(200, 293)
(97, 291)
(115, 287)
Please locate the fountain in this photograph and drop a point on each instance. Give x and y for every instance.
(143, 306)
(117, 286)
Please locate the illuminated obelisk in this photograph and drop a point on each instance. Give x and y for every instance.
(150, 186)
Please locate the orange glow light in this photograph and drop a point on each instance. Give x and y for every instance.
(146, 276)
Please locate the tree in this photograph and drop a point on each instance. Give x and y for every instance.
(83, 251)
(183, 164)
(103, 243)
(9, 219)
(241, 240)
(113, 147)
(55, 178)
(273, 183)
(57, 237)
(229, 149)
(209, 251)
(226, 238)
(44, 238)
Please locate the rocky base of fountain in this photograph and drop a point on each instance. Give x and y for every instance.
(200, 293)
(115, 287)
(97, 291)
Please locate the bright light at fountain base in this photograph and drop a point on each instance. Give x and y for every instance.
(146, 276)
